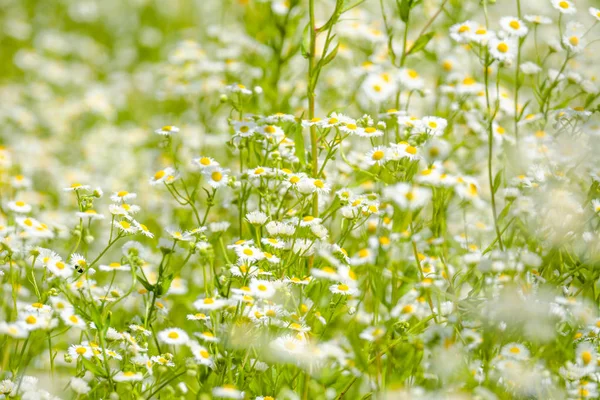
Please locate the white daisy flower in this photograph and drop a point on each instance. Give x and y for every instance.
(513, 26)
(262, 289)
(173, 336)
(19, 206)
(167, 130)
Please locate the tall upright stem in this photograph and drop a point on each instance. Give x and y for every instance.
(311, 101)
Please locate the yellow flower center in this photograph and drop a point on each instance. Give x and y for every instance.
(125, 224)
(563, 4)
(378, 155)
(502, 47)
(319, 183)
(159, 174)
(20, 203)
(173, 335)
(515, 24)
(586, 357)
(343, 287)
(574, 40)
(216, 176)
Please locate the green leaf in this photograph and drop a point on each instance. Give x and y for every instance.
(165, 284)
(145, 283)
(420, 43)
(404, 7)
(299, 141)
(329, 58)
(497, 182)
(305, 47)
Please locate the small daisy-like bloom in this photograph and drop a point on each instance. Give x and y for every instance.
(123, 209)
(227, 392)
(75, 187)
(166, 175)
(370, 132)
(410, 79)
(262, 289)
(91, 215)
(515, 351)
(197, 317)
(210, 304)
(586, 356)
(174, 336)
(208, 336)
(372, 333)
(167, 130)
(201, 354)
(325, 272)
(39, 308)
(20, 182)
(513, 26)
(19, 206)
(596, 208)
(122, 196)
(71, 319)
(271, 131)
(503, 49)
(538, 19)
(143, 229)
(217, 176)
(80, 351)
(205, 162)
(407, 196)
(179, 234)
(125, 226)
(79, 386)
(564, 6)
(573, 38)
(140, 329)
(14, 330)
(462, 32)
(256, 218)
(244, 128)
(115, 266)
(164, 359)
(343, 289)
(309, 220)
(59, 268)
(433, 125)
(481, 35)
(595, 12)
(249, 253)
(128, 376)
(238, 88)
(377, 155)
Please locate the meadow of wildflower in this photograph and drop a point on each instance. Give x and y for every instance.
(299, 199)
